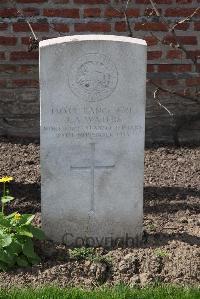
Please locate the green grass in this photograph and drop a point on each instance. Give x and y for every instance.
(84, 253)
(119, 292)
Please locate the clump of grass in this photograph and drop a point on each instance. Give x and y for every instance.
(152, 227)
(101, 259)
(82, 253)
(161, 253)
(89, 254)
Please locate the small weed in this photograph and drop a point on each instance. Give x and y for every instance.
(82, 253)
(152, 227)
(161, 253)
(101, 259)
(89, 254)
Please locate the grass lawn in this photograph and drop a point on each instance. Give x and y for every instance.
(119, 292)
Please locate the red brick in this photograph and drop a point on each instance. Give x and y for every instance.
(3, 83)
(150, 26)
(174, 54)
(8, 40)
(188, 40)
(61, 27)
(25, 82)
(31, 1)
(22, 55)
(91, 12)
(156, 1)
(172, 82)
(150, 68)
(183, 26)
(193, 54)
(25, 40)
(7, 68)
(25, 69)
(183, 1)
(93, 27)
(61, 1)
(133, 12)
(121, 27)
(193, 81)
(111, 12)
(65, 13)
(38, 27)
(197, 26)
(3, 26)
(178, 68)
(2, 56)
(151, 40)
(151, 12)
(185, 40)
(158, 81)
(8, 12)
(31, 12)
(92, 1)
(180, 12)
(151, 55)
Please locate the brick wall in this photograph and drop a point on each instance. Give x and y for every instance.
(170, 67)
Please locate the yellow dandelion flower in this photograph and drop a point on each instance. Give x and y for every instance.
(6, 179)
(17, 216)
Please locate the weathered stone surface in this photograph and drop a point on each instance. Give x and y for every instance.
(92, 138)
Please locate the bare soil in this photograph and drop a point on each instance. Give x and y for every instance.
(170, 249)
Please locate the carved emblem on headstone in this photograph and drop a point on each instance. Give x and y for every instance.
(93, 77)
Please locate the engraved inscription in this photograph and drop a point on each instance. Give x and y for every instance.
(92, 121)
(93, 77)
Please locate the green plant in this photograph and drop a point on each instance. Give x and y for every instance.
(89, 254)
(16, 235)
(152, 227)
(160, 253)
(101, 259)
(82, 253)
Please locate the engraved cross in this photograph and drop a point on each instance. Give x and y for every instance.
(92, 166)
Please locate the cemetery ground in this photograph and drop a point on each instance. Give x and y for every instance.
(169, 251)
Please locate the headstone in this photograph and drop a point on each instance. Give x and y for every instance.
(92, 138)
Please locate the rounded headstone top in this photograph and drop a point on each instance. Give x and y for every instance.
(91, 37)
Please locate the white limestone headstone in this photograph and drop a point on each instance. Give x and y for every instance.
(92, 138)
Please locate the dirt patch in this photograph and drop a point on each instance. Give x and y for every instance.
(169, 251)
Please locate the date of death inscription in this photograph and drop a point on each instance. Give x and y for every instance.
(91, 122)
